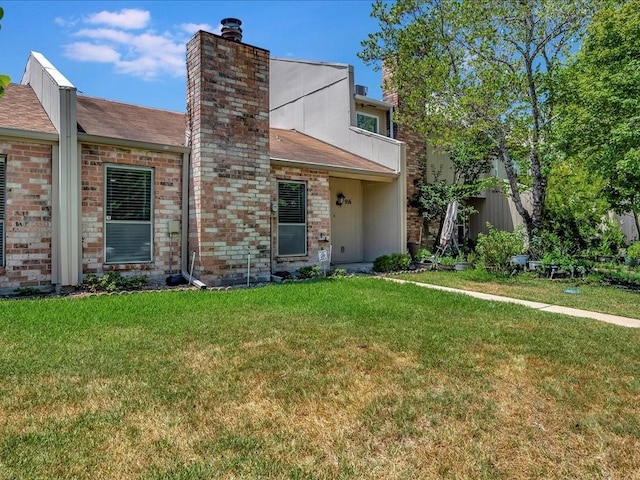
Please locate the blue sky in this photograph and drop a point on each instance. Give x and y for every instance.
(134, 52)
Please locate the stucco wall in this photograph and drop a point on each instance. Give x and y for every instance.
(28, 225)
(167, 199)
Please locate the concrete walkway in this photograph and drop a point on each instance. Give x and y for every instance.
(543, 307)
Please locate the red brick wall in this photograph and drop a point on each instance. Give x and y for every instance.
(28, 226)
(167, 206)
(416, 153)
(318, 215)
(230, 188)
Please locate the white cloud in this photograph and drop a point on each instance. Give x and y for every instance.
(89, 52)
(128, 18)
(105, 34)
(146, 53)
(192, 28)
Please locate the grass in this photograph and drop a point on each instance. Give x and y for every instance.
(592, 296)
(348, 378)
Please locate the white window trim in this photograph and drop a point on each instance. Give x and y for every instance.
(369, 115)
(151, 214)
(306, 190)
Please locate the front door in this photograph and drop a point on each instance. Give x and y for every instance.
(346, 220)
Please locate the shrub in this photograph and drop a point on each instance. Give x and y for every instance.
(112, 282)
(337, 272)
(309, 271)
(447, 261)
(496, 248)
(423, 255)
(633, 251)
(395, 262)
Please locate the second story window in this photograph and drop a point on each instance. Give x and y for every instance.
(368, 122)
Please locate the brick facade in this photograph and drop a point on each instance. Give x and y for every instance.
(318, 215)
(416, 153)
(28, 225)
(167, 202)
(230, 186)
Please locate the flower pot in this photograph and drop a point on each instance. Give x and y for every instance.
(534, 264)
(460, 266)
(445, 267)
(519, 260)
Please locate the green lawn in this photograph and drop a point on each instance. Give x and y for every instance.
(348, 378)
(590, 296)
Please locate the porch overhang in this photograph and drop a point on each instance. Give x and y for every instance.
(337, 171)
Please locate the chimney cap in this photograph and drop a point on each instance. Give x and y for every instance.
(231, 29)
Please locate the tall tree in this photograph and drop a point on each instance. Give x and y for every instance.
(4, 79)
(485, 67)
(600, 107)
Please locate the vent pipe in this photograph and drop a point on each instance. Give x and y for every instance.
(231, 29)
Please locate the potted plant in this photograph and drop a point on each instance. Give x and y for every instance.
(424, 256)
(632, 258)
(536, 252)
(462, 263)
(446, 263)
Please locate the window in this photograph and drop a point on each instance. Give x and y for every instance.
(366, 121)
(128, 214)
(292, 218)
(3, 204)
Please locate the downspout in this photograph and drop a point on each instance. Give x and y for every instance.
(184, 230)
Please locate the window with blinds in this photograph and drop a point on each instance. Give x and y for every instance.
(292, 218)
(3, 205)
(128, 214)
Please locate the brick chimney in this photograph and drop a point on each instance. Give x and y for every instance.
(228, 127)
(416, 153)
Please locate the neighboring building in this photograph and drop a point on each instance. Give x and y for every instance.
(273, 161)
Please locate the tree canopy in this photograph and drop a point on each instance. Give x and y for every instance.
(464, 68)
(600, 107)
(4, 79)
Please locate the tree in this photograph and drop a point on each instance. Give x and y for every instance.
(465, 67)
(4, 79)
(600, 106)
(472, 158)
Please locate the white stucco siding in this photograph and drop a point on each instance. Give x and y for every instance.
(383, 219)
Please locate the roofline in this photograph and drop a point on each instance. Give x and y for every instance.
(372, 101)
(87, 138)
(29, 134)
(360, 172)
(312, 62)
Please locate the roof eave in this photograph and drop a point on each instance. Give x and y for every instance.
(28, 134)
(350, 171)
(121, 142)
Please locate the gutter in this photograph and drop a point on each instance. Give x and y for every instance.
(122, 142)
(184, 229)
(28, 134)
(360, 172)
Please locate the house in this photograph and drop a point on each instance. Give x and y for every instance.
(274, 161)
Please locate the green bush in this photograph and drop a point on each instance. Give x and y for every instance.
(633, 251)
(113, 282)
(309, 271)
(423, 255)
(496, 248)
(396, 262)
(337, 273)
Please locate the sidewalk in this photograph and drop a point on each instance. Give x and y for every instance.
(543, 307)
